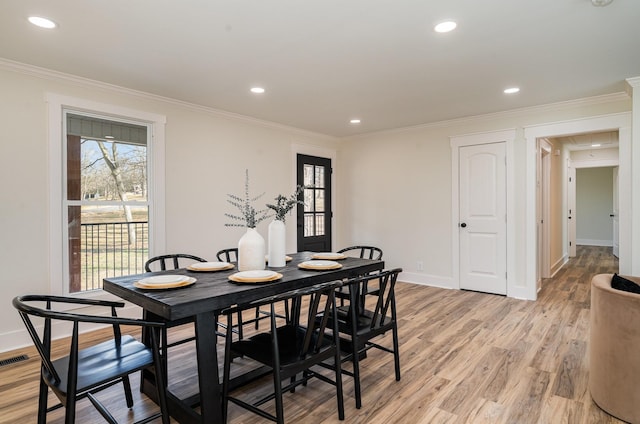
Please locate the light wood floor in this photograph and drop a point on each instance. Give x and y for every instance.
(466, 357)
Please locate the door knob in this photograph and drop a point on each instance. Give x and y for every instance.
(463, 225)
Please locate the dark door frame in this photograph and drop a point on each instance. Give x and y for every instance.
(321, 242)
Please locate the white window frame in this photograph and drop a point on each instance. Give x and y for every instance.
(58, 251)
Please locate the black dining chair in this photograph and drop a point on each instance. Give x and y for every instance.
(231, 255)
(163, 263)
(170, 261)
(228, 255)
(84, 372)
(359, 323)
(289, 351)
(362, 252)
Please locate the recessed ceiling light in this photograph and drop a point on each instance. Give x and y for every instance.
(355, 121)
(511, 90)
(109, 137)
(596, 145)
(257, 90)
(42, 22)
(445, 26)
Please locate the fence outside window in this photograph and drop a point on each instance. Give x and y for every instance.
(111, 250)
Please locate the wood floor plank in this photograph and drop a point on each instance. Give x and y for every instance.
(466, 357)
(570, 375)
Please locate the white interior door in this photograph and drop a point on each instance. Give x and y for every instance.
(615, 215)
(483, 226)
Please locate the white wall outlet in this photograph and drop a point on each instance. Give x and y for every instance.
(420, 266)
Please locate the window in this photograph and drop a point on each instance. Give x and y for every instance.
(314, 208)
(314, 217)
(104, 219)
(106, 199)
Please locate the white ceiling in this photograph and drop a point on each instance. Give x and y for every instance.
(324, 62)
(590, 141)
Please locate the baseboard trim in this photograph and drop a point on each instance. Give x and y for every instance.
(558, 265)
(592, 242)
(427, 280)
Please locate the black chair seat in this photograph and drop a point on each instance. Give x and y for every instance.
(99, 360)
(290, 342)
(366, 322)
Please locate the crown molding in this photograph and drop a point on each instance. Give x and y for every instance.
(631, 84)
(588, 101)
(49, 74)
(44, 73)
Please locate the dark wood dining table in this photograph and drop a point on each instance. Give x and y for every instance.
(202, 302)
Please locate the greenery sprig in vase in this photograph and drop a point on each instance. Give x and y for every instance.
(251, 246)
(277, 232)
(284, 205)
(249, 217)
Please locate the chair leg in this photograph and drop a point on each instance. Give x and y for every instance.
(161, 382)
(355, 359)
(339, 392)
(165, 350)
(42, 401)
(240, 326)
(277, 385)
(226, 371)
(70, 410)
(127, 391)
(396, 352)
(257, 318)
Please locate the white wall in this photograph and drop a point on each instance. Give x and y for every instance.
(206, 156)
(398, 184)
(392, 189)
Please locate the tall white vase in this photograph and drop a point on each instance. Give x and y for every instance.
(251, 251)
(277, 241)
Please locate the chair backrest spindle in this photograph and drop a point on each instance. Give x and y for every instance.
(173, 259)
(363, 252)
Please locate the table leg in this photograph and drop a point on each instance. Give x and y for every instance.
(208, 378)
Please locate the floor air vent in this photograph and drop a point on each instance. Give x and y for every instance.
(13, 360)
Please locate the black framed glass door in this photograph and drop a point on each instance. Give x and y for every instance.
(314, 218)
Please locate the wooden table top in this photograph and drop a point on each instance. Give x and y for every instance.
(213, 291)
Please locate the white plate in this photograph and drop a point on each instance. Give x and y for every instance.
(274, 277)
(163, 279)
(257, 274)
(208, 266)
(315, 264)
(183, 282)
(328, 255)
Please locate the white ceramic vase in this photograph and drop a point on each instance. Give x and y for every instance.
(251, 251)
(277, 242)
